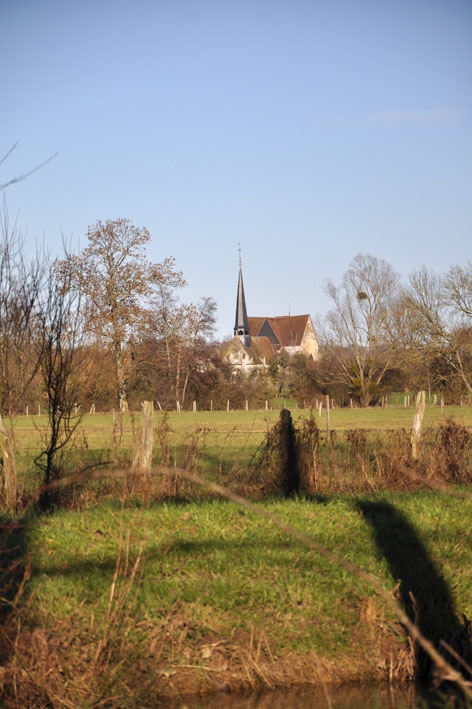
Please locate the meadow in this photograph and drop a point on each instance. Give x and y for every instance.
(220, 440)
(120, 601)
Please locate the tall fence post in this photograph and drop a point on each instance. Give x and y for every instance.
(143, 461)
(417, 423)
(288, 455)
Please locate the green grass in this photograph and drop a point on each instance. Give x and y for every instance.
(227, 568)
(239, 430)
(219, 443)
(156, 586)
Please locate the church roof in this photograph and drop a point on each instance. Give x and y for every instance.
(241, 321)
(284, 331)
(260, 351)
(258, 339)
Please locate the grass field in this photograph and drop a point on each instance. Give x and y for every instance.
(120, 603)
(128, 605)
(218, 444)
(223, 432)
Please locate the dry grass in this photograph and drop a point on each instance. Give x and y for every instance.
(122, 657)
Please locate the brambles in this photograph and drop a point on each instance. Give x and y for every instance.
(361, 460)
(450, 458)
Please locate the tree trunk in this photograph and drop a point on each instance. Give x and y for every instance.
(177, 374)
(462, 372)
(184, 388)
(120, 378)
(8, 468)
(147, 436)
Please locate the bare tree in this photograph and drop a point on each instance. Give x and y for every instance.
(357, 331)
(442, 306)
(199, 327)
(58, 337)
(457, 285)
(21, 282)
(181, 333)
(20, 287)
(117, 281)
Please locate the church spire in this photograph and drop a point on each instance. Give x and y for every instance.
(241, 324)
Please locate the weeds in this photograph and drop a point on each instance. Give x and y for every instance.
(450, 459)
(222, 600)
(163, 429)
(362, 460)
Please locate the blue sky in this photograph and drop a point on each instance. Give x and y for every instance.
(306, 131)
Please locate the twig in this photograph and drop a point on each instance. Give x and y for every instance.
(26, 174)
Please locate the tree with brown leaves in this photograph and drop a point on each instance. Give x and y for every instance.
(118, 281)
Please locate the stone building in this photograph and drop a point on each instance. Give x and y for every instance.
(257, 340)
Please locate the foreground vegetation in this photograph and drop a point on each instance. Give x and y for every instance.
(131, 595)
(126, 605)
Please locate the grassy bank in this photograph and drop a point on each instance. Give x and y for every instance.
(126, 605)
(140, 589)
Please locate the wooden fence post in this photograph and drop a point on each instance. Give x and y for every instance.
(143, 461)
(417, 423)
(288, 455)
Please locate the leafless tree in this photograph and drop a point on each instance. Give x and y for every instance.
(58, 339)
(442, 306)
(20, 287)
(457, 285)
(199, 327)
(358, 331)
(180, 333)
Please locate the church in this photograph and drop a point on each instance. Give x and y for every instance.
(257, 340)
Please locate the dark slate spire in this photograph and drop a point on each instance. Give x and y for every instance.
(241, 325)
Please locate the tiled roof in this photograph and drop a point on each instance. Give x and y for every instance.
(289, 329)
(255, 325)
(261, 350)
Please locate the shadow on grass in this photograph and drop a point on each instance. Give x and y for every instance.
(423, 591)
(14, 573)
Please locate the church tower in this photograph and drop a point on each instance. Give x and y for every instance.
(241, 325)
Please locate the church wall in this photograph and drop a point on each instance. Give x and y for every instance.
(309, 345)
